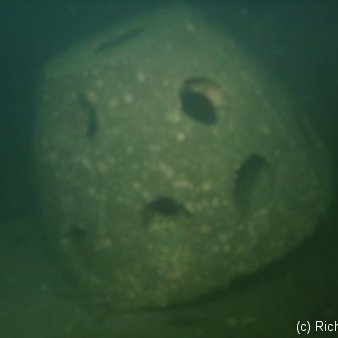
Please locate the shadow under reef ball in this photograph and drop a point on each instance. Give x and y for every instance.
(170, 163)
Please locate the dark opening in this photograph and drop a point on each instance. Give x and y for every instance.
(118, 40)
(201, 98)
(254, 184)
(163, 206)
(91, 116)
(198, 107)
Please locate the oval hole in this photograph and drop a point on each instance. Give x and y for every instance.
(91, 115)
(200, 99)
(115, 41)
(254, 184)
(163, 206)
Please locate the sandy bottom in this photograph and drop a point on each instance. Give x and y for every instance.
(34, 303)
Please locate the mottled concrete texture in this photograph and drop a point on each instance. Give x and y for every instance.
(170, 163)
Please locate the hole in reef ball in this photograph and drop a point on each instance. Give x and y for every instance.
(201, 98)
(254, 185)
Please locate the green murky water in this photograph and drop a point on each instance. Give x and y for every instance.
(296, 41)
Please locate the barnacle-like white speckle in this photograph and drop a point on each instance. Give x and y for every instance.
(140, 76)
(128, 98)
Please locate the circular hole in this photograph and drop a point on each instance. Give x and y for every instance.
(116, 41)
(201, 98)
(254, 184)
(90, 113)
(164, 207)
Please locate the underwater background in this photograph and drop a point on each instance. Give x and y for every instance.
(297, 42)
